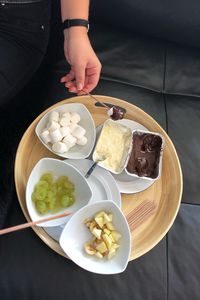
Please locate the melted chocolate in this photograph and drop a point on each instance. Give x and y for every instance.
(117, 114)
(145, 155)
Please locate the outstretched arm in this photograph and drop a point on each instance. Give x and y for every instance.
(85, 66)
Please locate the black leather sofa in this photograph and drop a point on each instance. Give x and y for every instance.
(151, 58)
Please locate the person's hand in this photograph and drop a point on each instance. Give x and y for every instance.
(85, 66)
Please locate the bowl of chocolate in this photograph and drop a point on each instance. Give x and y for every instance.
(145, 160)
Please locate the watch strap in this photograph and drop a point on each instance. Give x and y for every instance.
(75, 22)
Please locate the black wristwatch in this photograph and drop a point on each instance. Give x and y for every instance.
(75, 22)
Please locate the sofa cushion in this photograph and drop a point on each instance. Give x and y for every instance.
(176, 21)
(183, 254)
(183, 115)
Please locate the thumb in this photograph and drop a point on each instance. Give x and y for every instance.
(80, 76)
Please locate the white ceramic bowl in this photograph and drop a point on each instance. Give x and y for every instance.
(75, 234)
(87, 122)
(58, 168)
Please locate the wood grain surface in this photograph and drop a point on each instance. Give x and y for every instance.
(165, 193)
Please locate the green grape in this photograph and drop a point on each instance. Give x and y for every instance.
(61, 191)
(48, 177)
(41, 207)
(42, 184)
(57, 207)
(52, 202)
(53, 188)
(65, 201)
(69, 185)
(50, 196)
(61, 180)
(33, 197)
(40, 193)
(71, 200)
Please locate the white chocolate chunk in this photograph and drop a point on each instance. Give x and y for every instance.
(55, 135)
(69, 140)
(75, 117)
(78, 132)
(82, 141)
(64, 131)
(59, 147)
(52, 125)
(53, 116)
(45, 136)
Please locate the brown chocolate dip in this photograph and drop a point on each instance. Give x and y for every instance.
(145, 156)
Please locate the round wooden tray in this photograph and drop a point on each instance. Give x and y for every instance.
(165, 193)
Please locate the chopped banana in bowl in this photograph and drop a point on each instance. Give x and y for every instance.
(97, 238)
(104, 242)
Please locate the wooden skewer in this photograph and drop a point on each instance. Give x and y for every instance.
(29, 224)
(140, 214)
(135, 218)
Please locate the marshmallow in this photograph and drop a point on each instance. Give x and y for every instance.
(52, 125)
(78, 132)
(72, 126)
(45, 136)
(64, 114)
(64, 131)
(82, 141)
(110, 112)
(64, 121)
(53, 116)
(59, 147)
(55, 135)
(69, 140)
(75, 117)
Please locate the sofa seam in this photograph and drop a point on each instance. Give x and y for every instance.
(192, 204)
(164, 67)
(168, 93)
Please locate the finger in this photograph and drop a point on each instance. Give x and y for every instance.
(69, 84)
(92, 76)
(92, 83)
(79, 76)
(68, 77)
(73, 89)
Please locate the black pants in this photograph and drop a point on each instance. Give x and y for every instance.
(24, 34)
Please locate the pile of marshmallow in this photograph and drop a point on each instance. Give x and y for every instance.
(62, 131)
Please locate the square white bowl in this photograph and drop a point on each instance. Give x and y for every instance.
(111, 147)
(87, 122)
(75, 234)
(58, 168)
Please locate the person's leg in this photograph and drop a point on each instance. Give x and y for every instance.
(23, 42)
(24, 33)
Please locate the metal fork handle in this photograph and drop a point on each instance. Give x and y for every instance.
(91, 169)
